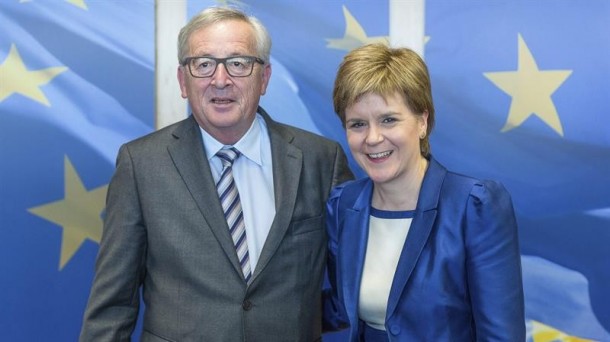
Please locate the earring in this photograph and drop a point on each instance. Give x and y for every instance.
(422, 135)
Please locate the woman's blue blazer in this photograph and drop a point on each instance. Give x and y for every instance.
(459, 274)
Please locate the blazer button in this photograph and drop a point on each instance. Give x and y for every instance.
(395, 329)
(247, 305)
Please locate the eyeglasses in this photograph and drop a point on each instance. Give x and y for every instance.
(236, 66)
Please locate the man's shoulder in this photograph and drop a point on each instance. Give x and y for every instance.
(296, 135)
(303, 137)
(165, 133)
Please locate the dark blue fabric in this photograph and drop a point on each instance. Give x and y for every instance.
(370, 334)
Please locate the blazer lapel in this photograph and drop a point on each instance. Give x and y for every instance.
(352, 248)
(191, 162)
(421, 226)
(286, 175)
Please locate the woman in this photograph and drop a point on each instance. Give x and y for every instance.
(416, 252)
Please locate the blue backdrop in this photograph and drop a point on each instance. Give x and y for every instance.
(521, 92)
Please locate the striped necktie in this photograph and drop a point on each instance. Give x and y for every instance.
(229, 198)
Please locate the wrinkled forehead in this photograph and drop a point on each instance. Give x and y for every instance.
(227, 37)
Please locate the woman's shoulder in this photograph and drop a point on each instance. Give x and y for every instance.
(478, 186)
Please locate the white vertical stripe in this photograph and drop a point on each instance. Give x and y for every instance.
(407, 23)
(170, 16)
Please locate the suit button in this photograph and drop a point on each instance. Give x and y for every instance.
(247, 305)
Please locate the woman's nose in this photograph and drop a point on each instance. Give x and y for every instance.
(374, 135)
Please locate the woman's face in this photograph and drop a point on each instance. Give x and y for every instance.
(383, 135)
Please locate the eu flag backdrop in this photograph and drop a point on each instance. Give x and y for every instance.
(76, 81)
(521, 91)
(521, 94)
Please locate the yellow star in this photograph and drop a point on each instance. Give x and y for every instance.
(79, 3)
(531, 90)
(16, 78)
(79, 213)
(545, 333)
(354, 35)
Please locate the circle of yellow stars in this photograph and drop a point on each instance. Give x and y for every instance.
(79, 213)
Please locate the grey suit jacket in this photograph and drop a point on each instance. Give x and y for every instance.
(165, 233)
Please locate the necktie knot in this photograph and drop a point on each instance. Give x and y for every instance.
(227, 156)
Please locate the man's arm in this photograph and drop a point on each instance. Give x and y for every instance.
(114, 300)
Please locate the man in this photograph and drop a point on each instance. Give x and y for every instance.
(205, 277)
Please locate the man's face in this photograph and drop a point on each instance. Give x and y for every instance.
(224, 106)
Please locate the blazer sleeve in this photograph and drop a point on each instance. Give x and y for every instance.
(334, 316)
(114, 300)
(494, 264)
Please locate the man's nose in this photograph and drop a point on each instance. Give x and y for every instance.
(220, 77)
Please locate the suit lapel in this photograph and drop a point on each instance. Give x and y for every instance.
(287, 164)
(352, 248)
(421, 226)
(191, 162)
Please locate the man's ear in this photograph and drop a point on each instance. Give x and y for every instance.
(182, 80)
(266, 75)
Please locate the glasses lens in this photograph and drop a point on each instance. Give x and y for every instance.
(239, 66)
(202, 66)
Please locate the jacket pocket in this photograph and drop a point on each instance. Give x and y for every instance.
(307, 225)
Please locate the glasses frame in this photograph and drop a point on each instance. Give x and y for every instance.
(223, 61)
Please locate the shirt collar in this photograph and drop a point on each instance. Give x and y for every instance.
(249, 145)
